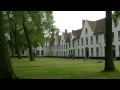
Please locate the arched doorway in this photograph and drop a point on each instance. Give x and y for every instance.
(87, 52)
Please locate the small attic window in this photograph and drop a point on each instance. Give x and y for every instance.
(86, 30)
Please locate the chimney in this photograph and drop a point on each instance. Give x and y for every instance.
(83, 22)
(65, 30)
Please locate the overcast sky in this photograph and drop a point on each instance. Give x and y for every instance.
(72, 20)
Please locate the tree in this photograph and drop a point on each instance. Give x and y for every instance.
(116, 17)
(6, 69)
(11, 43)
(35, 25)
(13, 28)
(109, 63)
(25, 28)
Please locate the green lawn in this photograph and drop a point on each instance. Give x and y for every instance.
(58, 68)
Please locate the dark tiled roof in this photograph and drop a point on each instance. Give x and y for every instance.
(100, 26)
(52, 41)
(75, 33)
(68, 39)
(66, 35)
(58, 38)
(78, 33)
(92, 24)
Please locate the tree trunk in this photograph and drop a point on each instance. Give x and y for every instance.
(6, 69)
(12, 48)
(36, 53)
(28, 42)
(16, 42)
(109, 63)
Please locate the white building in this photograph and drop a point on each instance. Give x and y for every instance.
(87, 42)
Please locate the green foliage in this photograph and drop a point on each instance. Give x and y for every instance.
(39, 23)
(116, 17)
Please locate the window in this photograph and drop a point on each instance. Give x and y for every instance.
(82, 40)
(62, 41)
(66, 46)
(82, 52)
(78, 41)
(118, 35)
(91, 51)
(62, 46)
(86, 40)
(86, 30)
(91, 39)
(22, 52)
(78, 52)
(66, 53)
(38, 52)
(96, 39)
(42, 52)
(73, 43)
(97, 51)
(113, 36)
(119, 50)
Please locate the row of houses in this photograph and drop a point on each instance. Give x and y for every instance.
(87, 42)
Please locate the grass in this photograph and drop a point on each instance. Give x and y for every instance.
(57, 68)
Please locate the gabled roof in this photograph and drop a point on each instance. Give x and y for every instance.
(75, 33)
(92, 24)
(100, 26)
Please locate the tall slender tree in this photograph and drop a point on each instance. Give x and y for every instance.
(6, 69)
(109, 63)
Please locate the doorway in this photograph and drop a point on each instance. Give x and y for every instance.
(87, 52)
